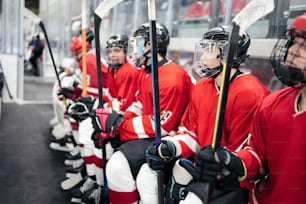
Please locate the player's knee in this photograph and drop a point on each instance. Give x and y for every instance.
(119, 175)
(146, 183)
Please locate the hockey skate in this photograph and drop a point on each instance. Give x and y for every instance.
(93, 196)
(65, 144)
(76, 166)
(74, 180)
(73, 155)
(87, 186)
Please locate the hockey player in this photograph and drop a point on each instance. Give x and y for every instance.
(196, 129)
(72, 89)
(123, 82)
(274, 159)
(137, 129)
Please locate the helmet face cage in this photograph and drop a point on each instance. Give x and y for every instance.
(207, 57)
(288, 75)
(135, 51)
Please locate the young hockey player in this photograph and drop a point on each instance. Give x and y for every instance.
(137, 130)
(123, 82)
(274, 160)
(71, 89)
(196, 130)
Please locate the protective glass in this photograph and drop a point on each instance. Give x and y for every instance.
(207, 56)
(135, 51)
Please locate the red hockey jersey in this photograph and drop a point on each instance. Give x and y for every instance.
(91, 74)
(277, 150)
(174, 90)
(196, 130)
(122, 86)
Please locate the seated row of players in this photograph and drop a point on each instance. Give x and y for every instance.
(187, 114)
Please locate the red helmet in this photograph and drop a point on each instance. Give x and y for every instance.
(76, 45)
(299, 24)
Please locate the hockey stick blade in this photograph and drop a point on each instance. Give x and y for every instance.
(252, 12)
(105, 6)
(31, 15)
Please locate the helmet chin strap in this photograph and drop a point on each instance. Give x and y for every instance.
(218, 70)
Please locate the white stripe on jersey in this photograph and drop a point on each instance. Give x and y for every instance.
(138, 127)
(135, 108)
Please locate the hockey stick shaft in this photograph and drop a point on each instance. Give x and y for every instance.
(234, 37)
(84, 49)
(155, 87)
(51, 53)
(97, 22)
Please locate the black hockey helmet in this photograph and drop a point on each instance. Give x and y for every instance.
(118, 41)
(162, 36)
(212, 47)
(289, 75)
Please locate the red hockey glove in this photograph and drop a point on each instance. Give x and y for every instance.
(107, 121)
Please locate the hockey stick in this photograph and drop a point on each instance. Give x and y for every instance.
(37, 20)
(84, 50)
(255, 10)
(155, 87)
(99, 14)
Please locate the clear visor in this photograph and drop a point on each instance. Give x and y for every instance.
(135, 50)
(208, 55)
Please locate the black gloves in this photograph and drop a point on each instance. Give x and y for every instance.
(105, 122)
(157, 159)
(221, 166)
(80, 110)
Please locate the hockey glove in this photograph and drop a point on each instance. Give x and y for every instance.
(222, 167)
(182, 172)
(80, 110)
(158, 157)
(105, 122)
